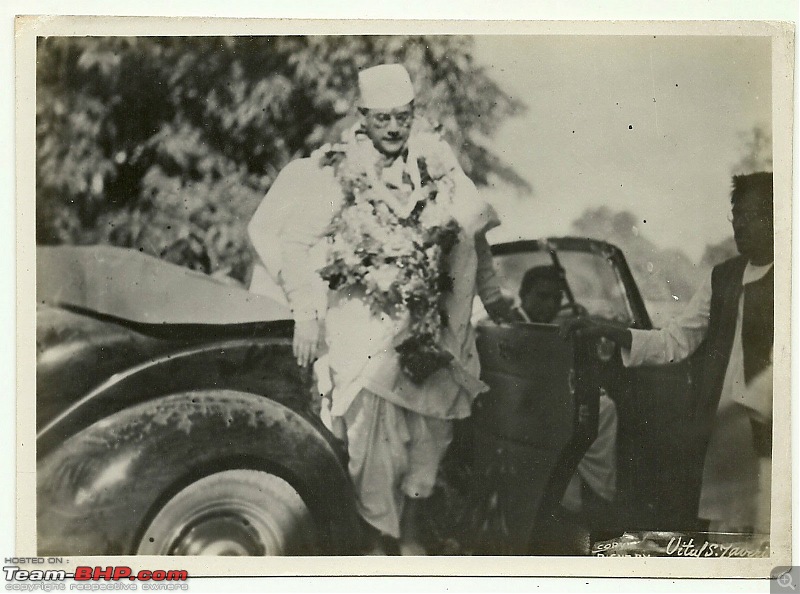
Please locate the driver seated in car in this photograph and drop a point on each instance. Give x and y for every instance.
(591, 491)
(540, 295)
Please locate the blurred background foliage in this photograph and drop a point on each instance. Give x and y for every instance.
(667, 277)
(167, 145)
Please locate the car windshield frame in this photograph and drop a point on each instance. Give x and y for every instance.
(560, 246)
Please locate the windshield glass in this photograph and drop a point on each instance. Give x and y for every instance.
(593, 279)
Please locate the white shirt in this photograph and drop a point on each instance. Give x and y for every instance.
(730, 473)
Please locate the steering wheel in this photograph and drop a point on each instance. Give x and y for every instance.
(572, 307)
(567, 312)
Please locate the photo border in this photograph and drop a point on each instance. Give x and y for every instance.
(783, 54)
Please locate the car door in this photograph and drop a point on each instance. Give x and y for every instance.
(530, 429)
(657, 470)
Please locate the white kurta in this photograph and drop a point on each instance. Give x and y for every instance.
(361, 345)
(731, 470)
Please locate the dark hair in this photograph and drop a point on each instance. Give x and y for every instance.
(539, 273)
(759, 184)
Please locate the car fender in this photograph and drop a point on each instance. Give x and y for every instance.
(263, 366)
(98, 491)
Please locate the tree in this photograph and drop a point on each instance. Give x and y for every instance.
(716, 253)
(662, 274)
(756, 148)
(167, 145)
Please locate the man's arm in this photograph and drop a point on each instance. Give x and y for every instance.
(303, 199)
(588, 326)
(674, 342)
(487, 284)
(476, 216)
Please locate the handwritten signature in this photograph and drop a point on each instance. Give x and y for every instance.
(679, 547)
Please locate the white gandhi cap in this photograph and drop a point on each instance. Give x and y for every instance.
(385, 86)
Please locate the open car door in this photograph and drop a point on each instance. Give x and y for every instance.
(530, 430)
(528, 366)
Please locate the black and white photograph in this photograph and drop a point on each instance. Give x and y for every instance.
(448, 293)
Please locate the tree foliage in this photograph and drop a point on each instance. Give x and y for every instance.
(662, 274)
(167, 145)
(756, 150)
(717, 253)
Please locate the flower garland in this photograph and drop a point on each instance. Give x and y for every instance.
(396, 250)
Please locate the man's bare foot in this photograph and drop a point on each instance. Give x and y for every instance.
(410, 542)
(410, 547)
(375, 548)
(374, 542)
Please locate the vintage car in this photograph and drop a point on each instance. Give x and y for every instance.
(173, 420)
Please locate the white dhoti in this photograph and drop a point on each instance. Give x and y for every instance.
(396, 432)
(394, 453)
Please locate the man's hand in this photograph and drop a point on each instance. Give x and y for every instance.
(586, 326)
(307, 336)
(499, 310)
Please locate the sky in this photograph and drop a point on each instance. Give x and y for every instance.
(651, 124)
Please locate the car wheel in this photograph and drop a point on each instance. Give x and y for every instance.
(102, 489)
(234, 513)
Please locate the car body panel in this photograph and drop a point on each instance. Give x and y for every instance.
(104, 341)
(660, 463)
(139, 288)
(118, 335)
(257, 366)
(657, 478)
(530, 404)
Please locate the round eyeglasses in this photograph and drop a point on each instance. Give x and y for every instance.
(383, 118)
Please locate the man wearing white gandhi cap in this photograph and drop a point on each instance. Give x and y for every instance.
(385, 86)
(386, 105)
(396, 428)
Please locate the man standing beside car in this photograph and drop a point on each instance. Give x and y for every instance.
(732, 312)
(350, 215)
